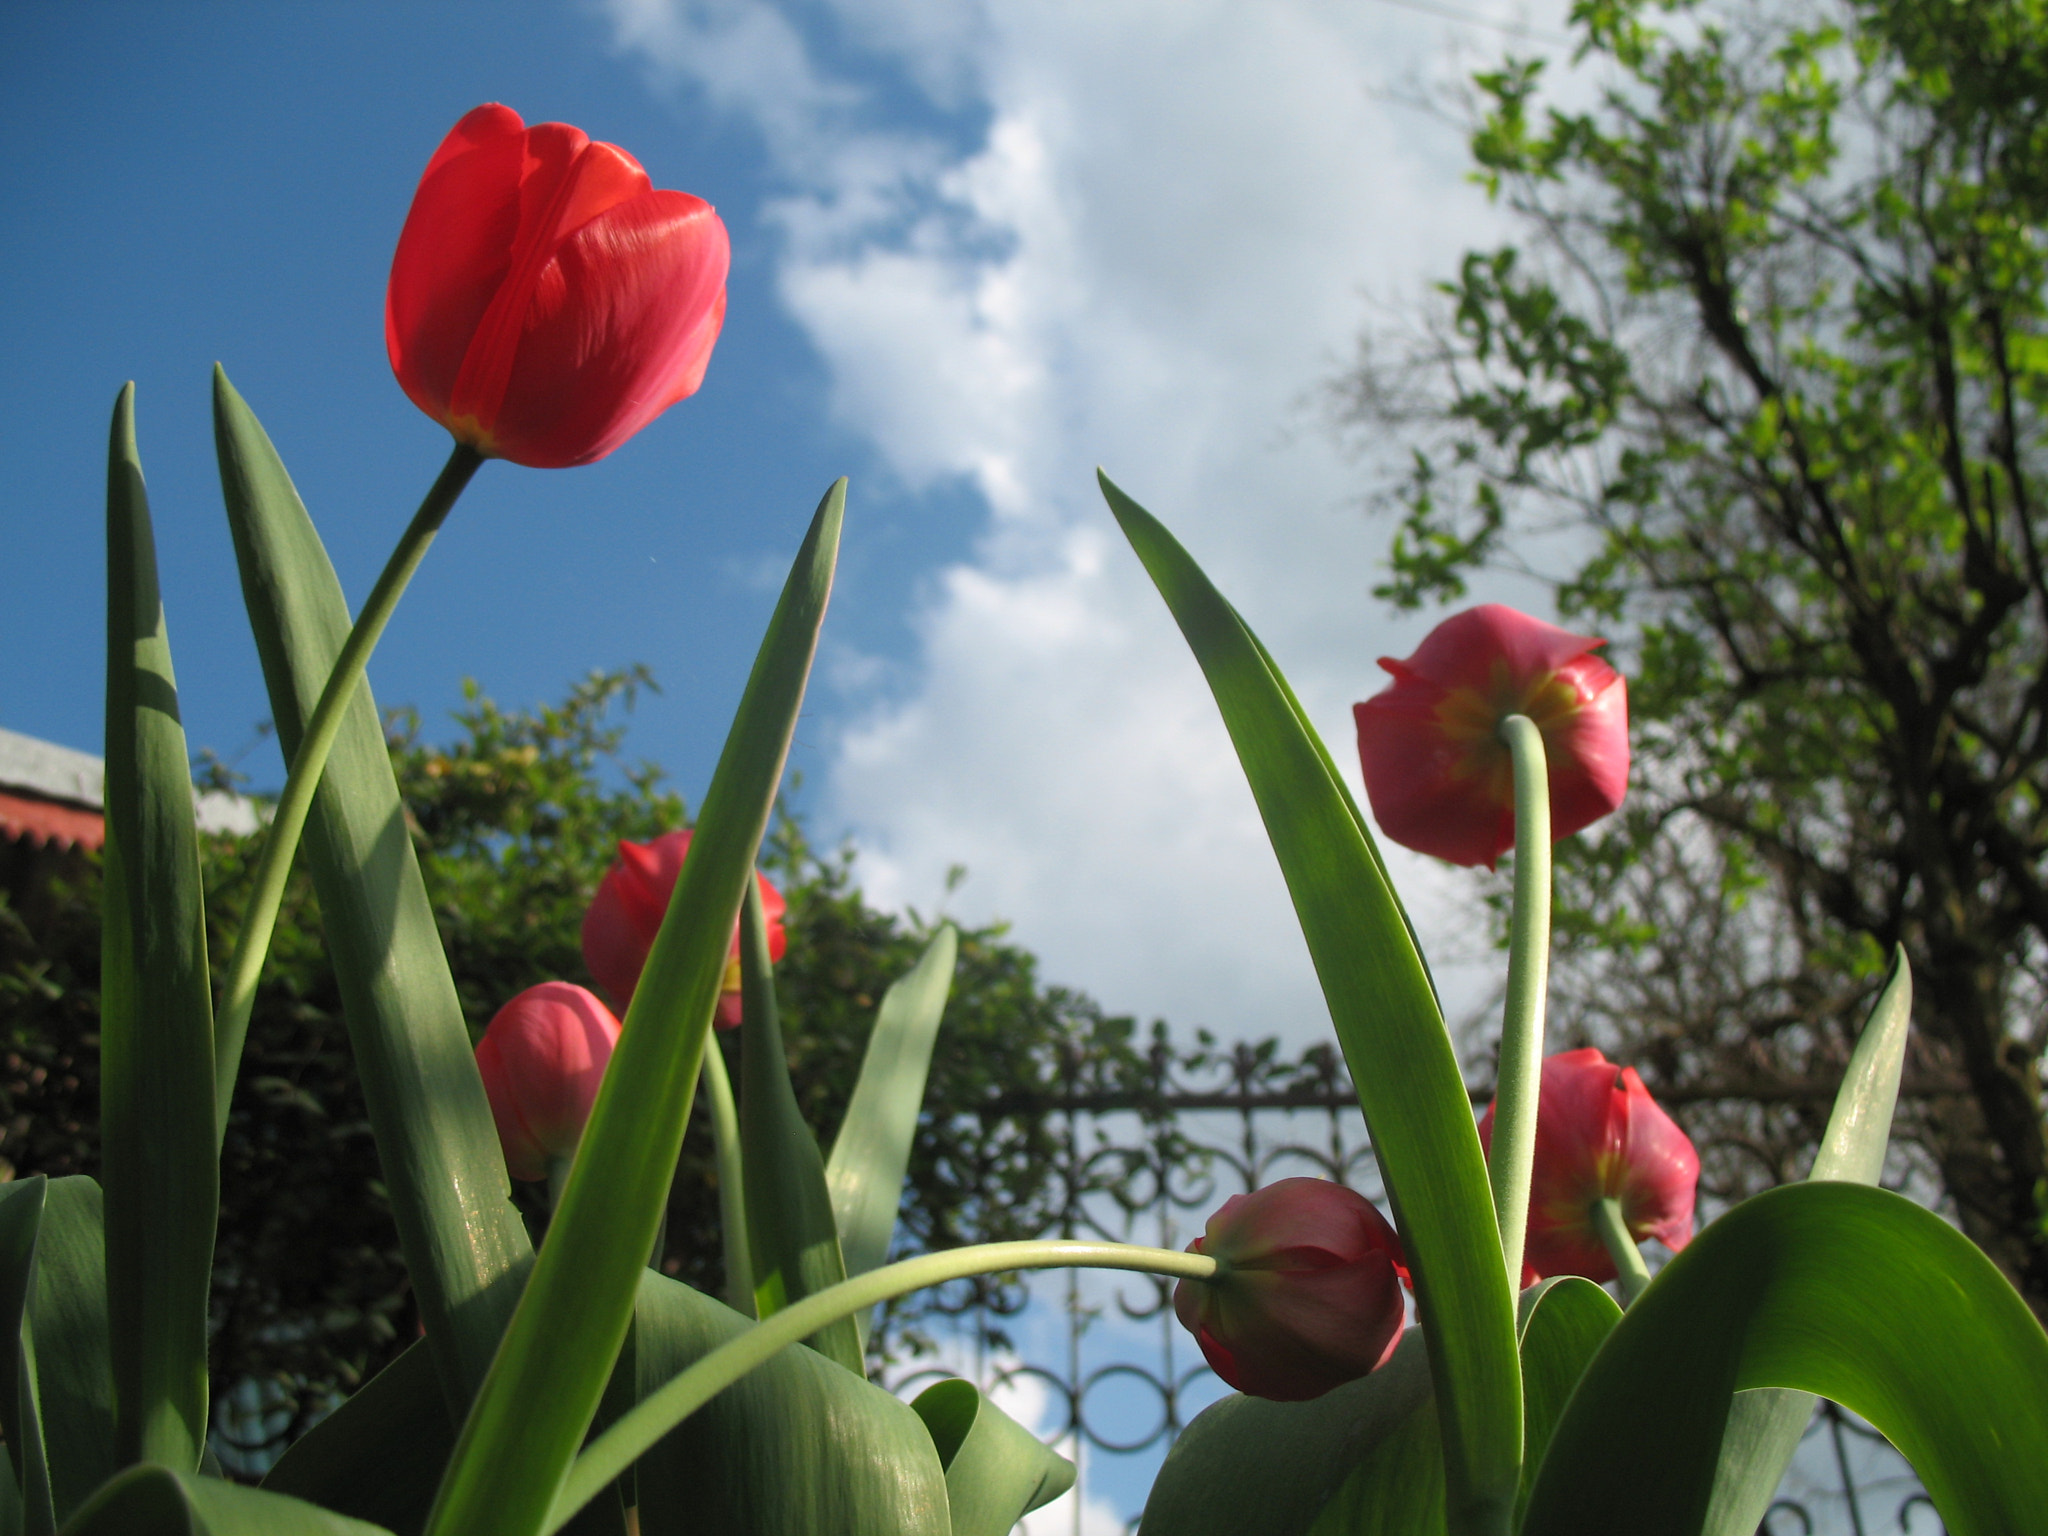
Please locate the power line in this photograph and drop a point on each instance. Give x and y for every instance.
(1513, 28)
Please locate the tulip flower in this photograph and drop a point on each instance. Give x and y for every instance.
(547, 301)
(1307, 1295)
(1438, 774)
(542, 1058)
(624, 916)
(1600, 1136)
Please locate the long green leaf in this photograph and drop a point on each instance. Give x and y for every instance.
(792, 1243)
(1388, 1022)
(378, 1457)
(158, 1162)
(74, 1377)
(800, 1447)
(872, 1152)
(465, 1247)
(1246, 1464)
(1765, 1427)
(150, 1500)
(21, 1418)
(1838, 1289)
(997, 1471)
(1565, 1321)
(545, 1385)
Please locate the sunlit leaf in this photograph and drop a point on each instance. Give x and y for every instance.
(997, 1471)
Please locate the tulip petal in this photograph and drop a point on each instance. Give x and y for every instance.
(620, 326)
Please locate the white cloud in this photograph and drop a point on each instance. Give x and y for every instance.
(1149, 256)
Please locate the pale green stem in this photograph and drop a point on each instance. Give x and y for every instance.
(1628, 1258)
(238, 996)
(732, 1201)
(636, 1431)
(1511, 1155)
(558, 1177)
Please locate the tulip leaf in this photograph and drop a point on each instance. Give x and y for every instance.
(1385, 1010)
(1766, 1426)
(1247, 1464)
(800, 1447)
(792, 1243)
(465, 1246)
(378, 1457)
(21, 1218)
(872, 1152)
(997, 1471)
(545, 1386)
(73, 1370)
(1564, 1323)
(1838, 1289)
(150, 1500)
(158, 1161)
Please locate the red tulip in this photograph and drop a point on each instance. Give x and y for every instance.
(546, 301)
(626, 913)
(542, 1059)
(1436, 770)
(1308, 1295)
(1599, 1135)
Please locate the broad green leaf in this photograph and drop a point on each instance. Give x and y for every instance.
(872, 1153)
(1565, 1321)
(1388, 1022)
(800, 1447)
(21, 1420)
(158, 1162)
(73, 1356)
(791, 1241)
(1849, 1292)
(545, 1385)
(997, 1471)
(150, 1500)
(378, 1457)
(465, 1247)
(1246, 1464)
(1765, 1427)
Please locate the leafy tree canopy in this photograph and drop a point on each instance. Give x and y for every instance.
(1760, 395)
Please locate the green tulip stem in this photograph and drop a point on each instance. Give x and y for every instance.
(238, 996)
(558, 1176)
(1628, 1258)
(732, 1201)
(636, 1431)
(1512, 1153)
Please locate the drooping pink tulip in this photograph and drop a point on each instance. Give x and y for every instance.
(542, 1059)
(1599, 1135)
(1309, 1293)
(624, 916)
(1438, 774)
(546, 300)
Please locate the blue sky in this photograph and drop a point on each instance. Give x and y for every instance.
(980, 247)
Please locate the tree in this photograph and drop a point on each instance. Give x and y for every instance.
(1762, 398)
(515, 821)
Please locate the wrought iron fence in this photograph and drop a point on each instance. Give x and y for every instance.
(1096, 1362)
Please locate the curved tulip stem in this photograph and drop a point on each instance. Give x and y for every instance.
(238, 996)
(732, 1201)
(1628, 1258)
(1512, 1154)
(636, 1431)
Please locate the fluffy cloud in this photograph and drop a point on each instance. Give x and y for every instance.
(1027, 239)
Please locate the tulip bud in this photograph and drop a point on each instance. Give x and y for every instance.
(1440, 778)
(1307, 1295)
(626, 913)
(1600, 1136)
(542, 1059)
(546, 301)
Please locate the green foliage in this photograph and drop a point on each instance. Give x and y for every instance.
(1762, 397)
(516, 814)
